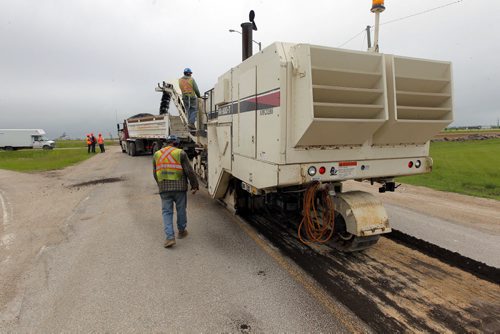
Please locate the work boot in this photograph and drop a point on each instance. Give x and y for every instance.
(169, 243)
(183, 234)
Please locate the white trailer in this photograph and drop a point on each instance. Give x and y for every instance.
(13, 139)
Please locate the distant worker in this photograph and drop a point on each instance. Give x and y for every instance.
(93, 141)
(89, 143)
(171, 170)
(100, 141)
(190, 95)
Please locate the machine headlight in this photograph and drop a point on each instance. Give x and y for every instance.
(311, 171)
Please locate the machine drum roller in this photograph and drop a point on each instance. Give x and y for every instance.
(360, 219)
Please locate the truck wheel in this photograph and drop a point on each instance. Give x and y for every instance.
(154, 148)
(47, 147)
(9, 148)
(132, 150)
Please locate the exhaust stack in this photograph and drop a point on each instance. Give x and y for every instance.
(247, 29)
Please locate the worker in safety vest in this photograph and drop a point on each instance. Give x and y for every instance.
(190, 95)
(100, 141)
(89, 143)
(93, 141)
(172, 170)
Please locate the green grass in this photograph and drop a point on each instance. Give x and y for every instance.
(41, 160)
(70, 143)
(82, 143)
(469, 130)
(469, 167)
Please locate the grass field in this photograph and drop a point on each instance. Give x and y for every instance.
(41, 160)
(469, 167)
(81, 143)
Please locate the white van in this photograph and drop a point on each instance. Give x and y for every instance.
(13, 139)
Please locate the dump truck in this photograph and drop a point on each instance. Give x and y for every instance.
(14, 139)
(146, 133)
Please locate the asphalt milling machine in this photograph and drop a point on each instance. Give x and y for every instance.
(286, 127)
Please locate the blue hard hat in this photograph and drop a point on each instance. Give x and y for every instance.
(187, 70)
(173, 139)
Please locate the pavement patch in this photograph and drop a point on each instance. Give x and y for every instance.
(98, 181)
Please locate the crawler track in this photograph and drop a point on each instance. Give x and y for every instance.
(392, 287)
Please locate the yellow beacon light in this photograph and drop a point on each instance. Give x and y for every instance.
(377, 6)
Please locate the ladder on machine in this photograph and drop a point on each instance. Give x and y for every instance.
(171, 94)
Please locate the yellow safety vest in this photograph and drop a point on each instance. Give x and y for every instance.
(186, 86)
(168, 163)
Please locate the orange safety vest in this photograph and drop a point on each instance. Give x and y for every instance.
(100, 140)
(186, 86)
(168, 163)
(89, 142)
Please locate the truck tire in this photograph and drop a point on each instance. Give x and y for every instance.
(9, 148)
(155, 147)
(132, 150)
(47, 147)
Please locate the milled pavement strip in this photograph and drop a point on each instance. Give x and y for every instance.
(348, 320)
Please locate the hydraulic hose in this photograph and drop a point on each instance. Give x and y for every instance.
(312, 229)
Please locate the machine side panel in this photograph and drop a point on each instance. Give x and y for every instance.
(269, 109)
(246, 119)
(219, 159)
(256, 173)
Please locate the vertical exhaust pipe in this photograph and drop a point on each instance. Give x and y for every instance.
(246, 40)
(247, 29)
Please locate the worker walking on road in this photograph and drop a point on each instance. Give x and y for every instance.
(100, 141)
(171, 170)
(190, 95)
(89, 143)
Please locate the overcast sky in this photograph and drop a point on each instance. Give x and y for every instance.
(77, 66)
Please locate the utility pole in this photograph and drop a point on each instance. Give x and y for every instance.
(369, 37)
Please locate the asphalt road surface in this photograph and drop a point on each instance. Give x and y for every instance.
(81, 250)
(94, 261)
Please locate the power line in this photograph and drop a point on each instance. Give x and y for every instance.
(420, 13)
(362, 31)
(403, 18)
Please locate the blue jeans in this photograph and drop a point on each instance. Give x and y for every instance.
(191, 105)
(167, 209)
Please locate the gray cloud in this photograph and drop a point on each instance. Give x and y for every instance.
(77, 66)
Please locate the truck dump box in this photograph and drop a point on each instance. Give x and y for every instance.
(155, 127)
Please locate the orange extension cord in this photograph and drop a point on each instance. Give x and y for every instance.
(316, 230)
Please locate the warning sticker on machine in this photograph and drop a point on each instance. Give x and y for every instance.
(342, 171)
